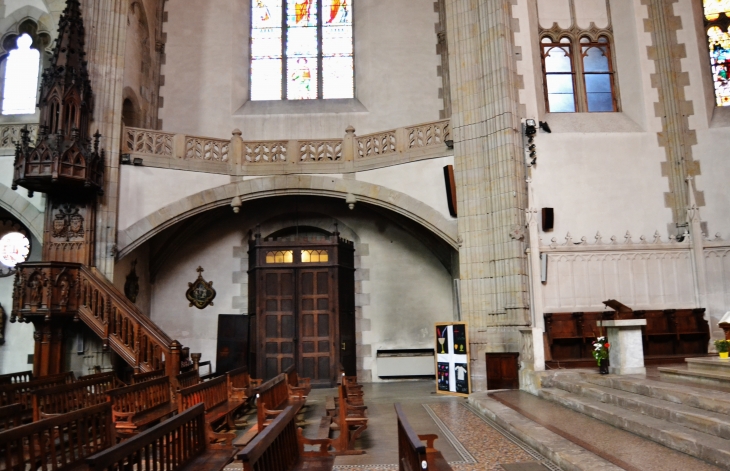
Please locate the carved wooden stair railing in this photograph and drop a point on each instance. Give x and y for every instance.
(50, 289)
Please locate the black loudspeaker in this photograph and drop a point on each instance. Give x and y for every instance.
(548, 218)
(450, 189)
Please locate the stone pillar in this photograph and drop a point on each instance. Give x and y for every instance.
(106, 31)
(490, 177)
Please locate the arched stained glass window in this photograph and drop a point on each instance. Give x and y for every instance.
(301, 49)
(717, 27)
(21, 78)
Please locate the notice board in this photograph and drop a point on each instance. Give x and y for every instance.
(452, 358)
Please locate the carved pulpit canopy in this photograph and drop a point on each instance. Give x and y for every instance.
(63, 159)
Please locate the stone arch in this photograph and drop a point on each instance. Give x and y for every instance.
(314, 185)
(23, 210)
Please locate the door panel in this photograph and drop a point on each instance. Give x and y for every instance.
(317, 326)
(279, 330)
(502, 371)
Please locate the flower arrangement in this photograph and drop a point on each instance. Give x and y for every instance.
(722, 346)
(600, 349)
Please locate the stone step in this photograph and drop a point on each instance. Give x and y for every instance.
(711, 364)
(709, 448)
(563, 452)
(696, 419)
(709, 400)
(718, 379)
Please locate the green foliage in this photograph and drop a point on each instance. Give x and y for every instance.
(722, 345)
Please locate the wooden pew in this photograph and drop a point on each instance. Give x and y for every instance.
(218, 408)
(11, 416)
(280, 447)
(177, 444)
(296, 383)
(272, 397)
(19, 377)
(70, 397)
(136, 407)
(187, 379)
(412, 453)
(60, 443)
(142, 377)
(240, 384)
(20, 393)
(351, 421)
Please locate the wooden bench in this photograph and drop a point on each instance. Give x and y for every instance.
(11, 416)
(351, 420)
(296, 383)
(70, 397)
(60, 443)
(280, 447)
(272, 397)
(20, 393)
(176, 444)
(142, 377)
(187, 379)
(136, 407)
(412, 453)
(218, 408)
(240, 384)
(19, 377)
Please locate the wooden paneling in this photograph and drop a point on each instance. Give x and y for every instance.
(502, 371)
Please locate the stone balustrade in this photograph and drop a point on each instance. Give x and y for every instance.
(10, 134)
(238, 157)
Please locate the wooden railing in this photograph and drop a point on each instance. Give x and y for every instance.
(239, 157)
(148, 376)
(57, 443)
(19, 377)
(70, 289)
(11, 416)
(70, 397)
(169, 446)
(20, 393)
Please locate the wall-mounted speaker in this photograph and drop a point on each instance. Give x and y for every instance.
(548, 219)
(450, 189)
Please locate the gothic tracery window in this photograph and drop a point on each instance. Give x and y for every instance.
(21, 78)
(717, 27)
(578, 73)
(301, 49)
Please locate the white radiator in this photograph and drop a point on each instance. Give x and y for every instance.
(406, 363)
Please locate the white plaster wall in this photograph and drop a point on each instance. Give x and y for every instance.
(409, 291)
(6, 178)
(124, 266)
(144, 190)
(423, 180)
(206, 72)
(19, 341)
(404, 288)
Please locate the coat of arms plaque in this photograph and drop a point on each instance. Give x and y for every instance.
(200, 293)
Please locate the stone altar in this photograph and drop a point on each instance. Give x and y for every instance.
(626, 354)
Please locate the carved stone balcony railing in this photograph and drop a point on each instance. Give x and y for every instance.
(44, 290)
(10, 134)
(238, 157)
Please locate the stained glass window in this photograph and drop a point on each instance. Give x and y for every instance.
(14, 249)
(717, 25)
(301, 49)
(21, 78)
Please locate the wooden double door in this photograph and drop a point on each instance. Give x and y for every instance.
(304, 308)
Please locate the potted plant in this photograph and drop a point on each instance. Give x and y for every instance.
(722, 347)
(600, 353)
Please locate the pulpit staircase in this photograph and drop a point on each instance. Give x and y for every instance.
(79, 292)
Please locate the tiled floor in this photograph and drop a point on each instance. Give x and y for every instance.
(466, 440)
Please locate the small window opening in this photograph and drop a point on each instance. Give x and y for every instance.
(21, 78)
